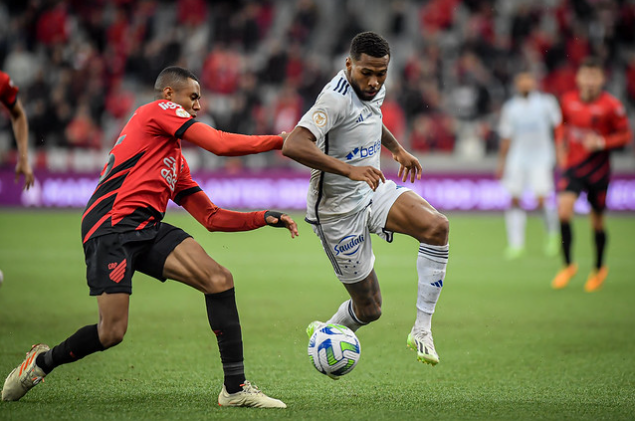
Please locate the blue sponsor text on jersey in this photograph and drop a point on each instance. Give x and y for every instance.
(365, 152)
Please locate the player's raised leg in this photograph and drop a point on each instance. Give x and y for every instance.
(414, 216)
(190, 264)
(566, 202)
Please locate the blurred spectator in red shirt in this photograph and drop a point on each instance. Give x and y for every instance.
(191, 12)
(119, 102)
(82, 131)
(221, 70)
(52, 26)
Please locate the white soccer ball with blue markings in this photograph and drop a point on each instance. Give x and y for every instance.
(334, 350)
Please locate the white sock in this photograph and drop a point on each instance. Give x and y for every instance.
(346, 316)
(550, 215)
(431, 264)
(515, 219)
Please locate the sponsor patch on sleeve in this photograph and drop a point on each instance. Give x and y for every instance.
(182, 113)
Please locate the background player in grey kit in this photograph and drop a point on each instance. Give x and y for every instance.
(340, 137)
(527, 160)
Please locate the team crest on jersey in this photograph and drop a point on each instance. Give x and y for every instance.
(182, 113)
(319, 118)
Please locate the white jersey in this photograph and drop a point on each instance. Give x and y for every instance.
(348, 129)
(529, 123)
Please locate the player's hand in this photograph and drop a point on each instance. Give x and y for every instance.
(593, 142)
(281, 220)
(371, 175)
(284, 136)
(23, 167)
(408, 166)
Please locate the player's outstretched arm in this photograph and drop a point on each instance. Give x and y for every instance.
(231, 144)
(408, 164)
(21, 132)
(300, 146)
(214, 218)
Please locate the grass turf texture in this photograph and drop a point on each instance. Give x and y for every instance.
(510, 347)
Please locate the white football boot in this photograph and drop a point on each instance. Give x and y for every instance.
(25, 376)
(421, 341)
(250, 396)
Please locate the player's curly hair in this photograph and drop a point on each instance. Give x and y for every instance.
(369, 43)
(172, 76)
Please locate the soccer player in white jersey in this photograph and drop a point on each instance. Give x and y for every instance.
(340, 137)
(527, 160)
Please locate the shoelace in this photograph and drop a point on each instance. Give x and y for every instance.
(250, 388)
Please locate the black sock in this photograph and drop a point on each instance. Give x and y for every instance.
(83, 342)
(600, 242)
(223, 319)
(565, 231)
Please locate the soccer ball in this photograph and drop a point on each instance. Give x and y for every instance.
(334, 350)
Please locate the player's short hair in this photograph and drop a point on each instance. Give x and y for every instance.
(369, 43)
(172, 76)
(592, 62)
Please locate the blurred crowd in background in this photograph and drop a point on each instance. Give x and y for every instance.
(83, 66)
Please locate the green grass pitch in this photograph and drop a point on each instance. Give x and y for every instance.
(510, 347)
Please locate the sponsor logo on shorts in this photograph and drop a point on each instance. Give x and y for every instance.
(117, 270)
(349, 245)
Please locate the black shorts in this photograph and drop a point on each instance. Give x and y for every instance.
(112, 259)
(595, 185)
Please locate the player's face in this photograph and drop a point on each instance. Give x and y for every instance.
(367, 75)
(590, 81)
(525, 83)
(187, 95)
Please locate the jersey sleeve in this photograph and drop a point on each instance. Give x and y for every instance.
(621, 133)
(185, 185)
(8, 91)
(504, 125)
(170, 118)
(326, 113)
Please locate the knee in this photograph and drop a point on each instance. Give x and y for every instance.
(436, 231)
(111, 334)
(218, 280)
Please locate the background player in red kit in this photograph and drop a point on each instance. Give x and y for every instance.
(9, 98)
(593, 123)
(122, 232)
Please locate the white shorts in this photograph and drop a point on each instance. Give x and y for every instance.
(538, 179)
(346, 240)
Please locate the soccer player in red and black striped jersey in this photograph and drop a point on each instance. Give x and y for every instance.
(593, 123)
(122, 233)
(9, 98)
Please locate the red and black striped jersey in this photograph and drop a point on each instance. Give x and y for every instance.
(8, 91)
(145, 169)
(604, 116)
